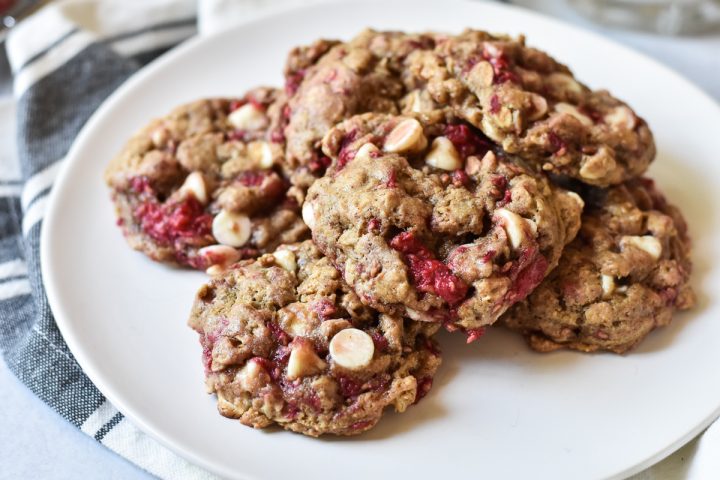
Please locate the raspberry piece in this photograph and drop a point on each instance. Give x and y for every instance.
(292, 83)
(467, 141)
(558, 144)
(349, 387)
(381, 343)
(527, 273)
(423, 387)
(429, 275)
(171, 222)
(346, 155)
(494, 104)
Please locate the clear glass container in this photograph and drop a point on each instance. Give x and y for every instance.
(671, 17)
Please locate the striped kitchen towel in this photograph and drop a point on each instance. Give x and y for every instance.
(65, 60)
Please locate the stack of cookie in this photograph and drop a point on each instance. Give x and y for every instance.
(400, 183)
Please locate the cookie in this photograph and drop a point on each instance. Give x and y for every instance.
(431, 220)
(286, 342)
(623, 276)
(205, 185)
(329, 81)
(532, 106)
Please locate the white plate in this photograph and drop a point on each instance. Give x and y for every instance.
(497, 410)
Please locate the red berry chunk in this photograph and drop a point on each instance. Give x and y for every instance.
(460, 178)
(423, 387)
(467, 141)
(361, 425)
(324, 308)
(252, 178)
(527, 273)
(381, 343)
(558, 144)
(494, 104)
(140, 185)
(346, 154)
(429, 275)
(501, 67)
(269, 183)
(278, 333)
(320, 164)
(174, 221)
(349, 387)
(292, 83)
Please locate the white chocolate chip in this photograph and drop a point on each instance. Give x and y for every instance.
(248, 117)
(622, 118)
(231, 229)
(443, 155)
(419, 316)
(646, 243)
(214, 270)
(413, 101)
(366, 151)
(286, 260)
(160, 136)
(608, 285)
(516, 227)
(194, 184)
(598, 165)
(418, 101)
(472, 165)
(482, 74)
(540, 106)
(218, 257)
(303, 360)
(296, 328)
(261, 154)
(577, 198)
(308, 215)
(407, 136)
(352, 348)
(532, 226)
(568, 109)
(252, 376)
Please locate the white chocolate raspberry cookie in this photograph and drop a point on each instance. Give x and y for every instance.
(286, 342)
(205, 185)
(623, 276)
(429, 219)
(532, 106)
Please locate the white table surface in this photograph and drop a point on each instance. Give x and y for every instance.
(37, 443)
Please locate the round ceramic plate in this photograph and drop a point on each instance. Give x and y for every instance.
(497, 409)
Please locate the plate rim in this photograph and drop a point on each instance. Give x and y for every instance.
(74, 154)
